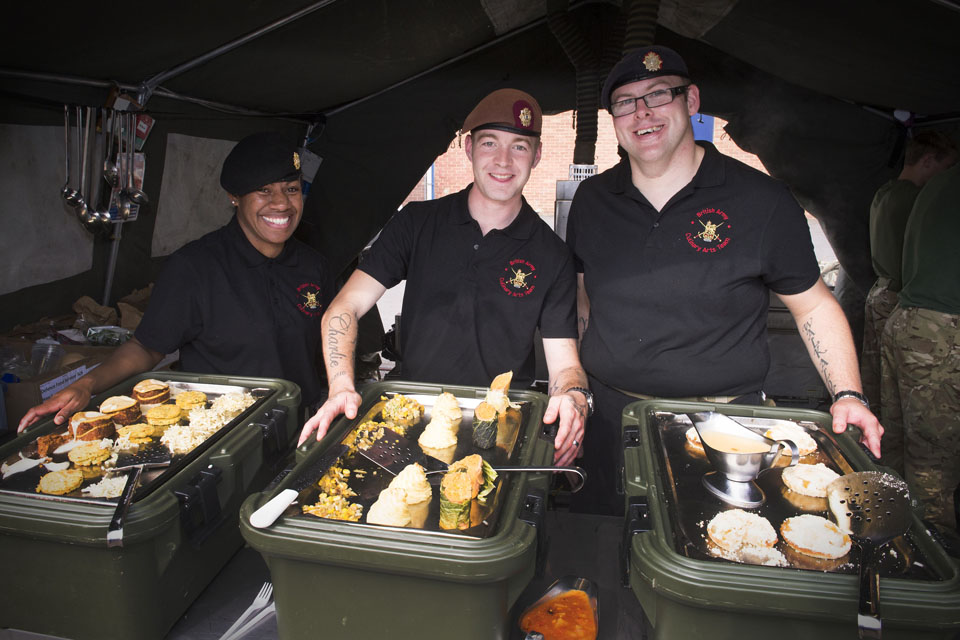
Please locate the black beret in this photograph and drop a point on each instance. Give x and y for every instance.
(507, 110)
(640, 64)
(257, 160)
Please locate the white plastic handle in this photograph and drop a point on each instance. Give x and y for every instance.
(268, 513)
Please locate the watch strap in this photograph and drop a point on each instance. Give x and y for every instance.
(850, 393)
(586, 394)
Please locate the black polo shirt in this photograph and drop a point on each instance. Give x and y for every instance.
(472, 303)
(679, 297)
(231, 310)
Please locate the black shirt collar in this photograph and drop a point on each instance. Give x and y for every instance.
(522, 227)
(709, 174)
(249, 254)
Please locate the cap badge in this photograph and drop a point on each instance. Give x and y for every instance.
(296, 160)
(526, 116)
(652, 61)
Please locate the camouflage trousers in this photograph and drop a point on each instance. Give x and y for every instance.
(920, 411)
(877, 308)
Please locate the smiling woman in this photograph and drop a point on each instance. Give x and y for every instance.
(269, 215)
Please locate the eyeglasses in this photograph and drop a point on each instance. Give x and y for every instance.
(652, 99)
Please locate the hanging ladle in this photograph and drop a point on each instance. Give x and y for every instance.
(82, 208)
(70, 195)
(96, 187)
(132, 195)
(124, 205)
(110, 171)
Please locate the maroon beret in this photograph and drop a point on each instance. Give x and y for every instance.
(507, 110)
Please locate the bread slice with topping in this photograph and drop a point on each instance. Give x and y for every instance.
(91, 425)
(815, 536)
(737, 528)
(151, 391)
(121, 409)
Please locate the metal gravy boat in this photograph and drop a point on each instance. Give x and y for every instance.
(734, 472)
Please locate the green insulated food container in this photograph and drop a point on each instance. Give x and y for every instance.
(180, 530)
(336, 579)
(686, 592)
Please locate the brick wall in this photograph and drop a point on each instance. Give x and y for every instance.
(452, 170)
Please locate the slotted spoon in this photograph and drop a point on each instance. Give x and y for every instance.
(873, 508)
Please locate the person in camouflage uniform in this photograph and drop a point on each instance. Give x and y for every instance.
(927, 154)
(920, 357)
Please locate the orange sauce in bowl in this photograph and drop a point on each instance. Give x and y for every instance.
(727, 443)
(567, 616)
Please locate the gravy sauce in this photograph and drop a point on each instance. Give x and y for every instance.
(728, 443)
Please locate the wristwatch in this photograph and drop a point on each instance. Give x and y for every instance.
(849, 393)
(586, 394)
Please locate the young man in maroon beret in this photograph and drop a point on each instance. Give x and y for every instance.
(483, 272)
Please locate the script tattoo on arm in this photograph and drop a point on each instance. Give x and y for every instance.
(339, 345)
(820, 352)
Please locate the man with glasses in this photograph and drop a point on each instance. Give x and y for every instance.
(677, 248)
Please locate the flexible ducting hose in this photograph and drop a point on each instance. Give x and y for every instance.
(641, 18)
(641, 23)
(586, 64)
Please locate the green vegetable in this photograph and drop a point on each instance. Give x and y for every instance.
(454, 515)
(489, 481)
(485, 419)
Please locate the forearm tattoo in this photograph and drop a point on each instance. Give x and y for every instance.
(819, 352)
(339, 346)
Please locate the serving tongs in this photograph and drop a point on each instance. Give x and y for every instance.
(873, 508)
(146, 457)
(392, 452)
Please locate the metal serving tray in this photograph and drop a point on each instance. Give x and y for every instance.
(26, 481)
(372, 479)
(691, 506)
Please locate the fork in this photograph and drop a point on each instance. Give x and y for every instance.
(259, 602)
(271, 609)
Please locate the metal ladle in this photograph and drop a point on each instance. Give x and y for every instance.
(71, 196)
(133, 195)
(111, 172)
(82, 208)
(123, 157)
(96, 187)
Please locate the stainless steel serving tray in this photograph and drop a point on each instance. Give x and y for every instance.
(27, 481)
(691, 506)
(373, 479)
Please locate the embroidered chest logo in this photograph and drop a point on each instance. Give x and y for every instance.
(710, 231)
(519, 278)
(308, 300)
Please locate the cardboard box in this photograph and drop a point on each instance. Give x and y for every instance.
(20, 396)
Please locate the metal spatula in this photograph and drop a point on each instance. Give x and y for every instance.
(873, 508)
(146, 457)
(393, 452)
(274, 508)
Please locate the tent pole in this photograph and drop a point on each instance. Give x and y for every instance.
(163, 93)
(112, 263)
(149, 86)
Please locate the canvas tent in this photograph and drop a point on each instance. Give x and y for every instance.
(379, 88)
